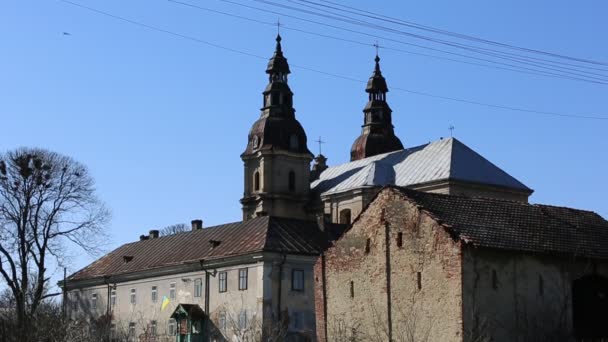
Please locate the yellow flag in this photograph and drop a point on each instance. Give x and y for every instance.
(164, 303)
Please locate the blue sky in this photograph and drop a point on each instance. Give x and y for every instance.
(161, 120)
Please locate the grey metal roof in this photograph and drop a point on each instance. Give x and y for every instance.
(446, 159)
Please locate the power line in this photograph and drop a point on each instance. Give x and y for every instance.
(546, 73)
(394, 20)
(475, 49)
(509, 67)
(349, 78)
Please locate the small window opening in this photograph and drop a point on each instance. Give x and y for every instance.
(400, 239)
(494, 280)
(292, 181)
(256, 181)
(419, 280)
(274, 99)
(345, 216)
(352, 289)
(294, 143)
(368, 246)
(541, 285)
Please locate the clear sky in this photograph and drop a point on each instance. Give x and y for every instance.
(161, 120)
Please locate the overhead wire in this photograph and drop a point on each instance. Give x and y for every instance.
(384, 38)
(355, 21)
(510, 67)
(349, 78)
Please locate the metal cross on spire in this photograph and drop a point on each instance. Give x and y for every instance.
(377, 46)
(320, 143)
(279, 25)
(451, 128)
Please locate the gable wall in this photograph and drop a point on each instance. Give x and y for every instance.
(385, 279)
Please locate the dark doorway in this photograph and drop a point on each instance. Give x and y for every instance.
(590, 308)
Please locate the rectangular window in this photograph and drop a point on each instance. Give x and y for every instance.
(419, 280)
(243, 320)
(297, 320)
(152, 330)
(113, 297)
(400, 239)
(171, 328)
(198, 287)
(154, 294)
(297, 280)
(133, 297)
(368, 244)
(223, 279)
(132, 331)
(352, 289)
(221, 321)
(172, 291)
(243, 278)
(75, 300)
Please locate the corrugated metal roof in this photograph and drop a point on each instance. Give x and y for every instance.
(518, 226)
(261, 234)
(446, 159)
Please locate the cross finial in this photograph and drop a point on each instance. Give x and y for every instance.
(320, 143)
(451, 128)
(377, 46)
(278, 25)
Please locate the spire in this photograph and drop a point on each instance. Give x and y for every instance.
(377, 134)
(278, 69)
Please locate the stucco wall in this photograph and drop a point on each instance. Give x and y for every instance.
(512, 296)
(385, 278)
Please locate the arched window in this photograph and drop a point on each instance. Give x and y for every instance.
(256, 181)
(345, 216)
(292, 181)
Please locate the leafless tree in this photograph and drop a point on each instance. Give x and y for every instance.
(174, 229)
(47, 201)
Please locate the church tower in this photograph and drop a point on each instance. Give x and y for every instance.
(377, 134)
(277, 159)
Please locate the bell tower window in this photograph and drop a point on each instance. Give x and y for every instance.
(256, 181)
(292, 181)
(294, 144)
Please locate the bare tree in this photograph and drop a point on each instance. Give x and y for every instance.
(174, 229)
(46, 201)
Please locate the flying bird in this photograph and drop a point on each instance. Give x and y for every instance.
(67, 34)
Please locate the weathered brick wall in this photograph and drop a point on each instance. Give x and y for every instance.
(380, 271)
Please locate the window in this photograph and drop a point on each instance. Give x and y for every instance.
(152, 328)
(494, 280)
(541, 285)
(75, 301)
(352, 289)
(172, 291)
(113, 297)
(292, 181)
(198, 287)
(368, 245)
(297, 280)
(171, 328)
(154, 294)
(243, 319)
(400, 239)
(223, 279)
(297, 320)
(294, 144)
(345, 216)
(256, 181)
(133, 298)
(94, 301)
(221, 321)
(132, 331)
(419, 280)
(243, 278)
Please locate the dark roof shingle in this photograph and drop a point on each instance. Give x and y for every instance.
(518, 226)
(261, 234)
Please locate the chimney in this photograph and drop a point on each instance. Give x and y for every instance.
(154, 234)
(143, 237)
(318, 167)
(197, 224)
